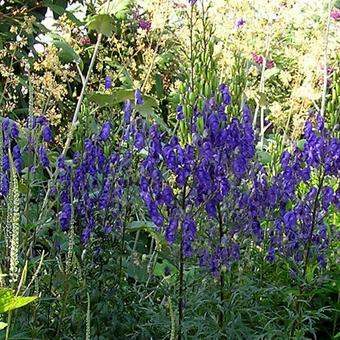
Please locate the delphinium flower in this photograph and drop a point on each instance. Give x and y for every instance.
(138, 97)
(40, 135)
(204, 173)
(43, 156)
(156, 189)
(180, 113)
(46, 134)
(304, 197)
(108, 83)
(99, 179)
(9, 137)
(226, 97)
(17, 158)
(105, 132)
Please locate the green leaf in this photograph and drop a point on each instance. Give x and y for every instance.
(159, 86)
(301, 143)
(55, 8)
(117, 96)
(3, 325)
(9, 302)
(136, 272)
(310, 273)
(148, 227)
(337, 5)
(66, 52)
(264, 157)
(101, 23)
(118, 8)
(159, 269)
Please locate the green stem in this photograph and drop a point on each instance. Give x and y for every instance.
(221, 314)
(9, 319)
(308, 248)
(181, 273)
(315, 206)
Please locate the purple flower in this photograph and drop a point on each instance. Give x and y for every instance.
(155, 216)
(14, 131)
(189, 234)
(285, 157)
(327, 197)
(138, 97)
(107, 230)
(17, 158)
(211, 208)
(139, 141)
(144, 24)
(5, 124)
(258, 59)
(47, 134)
(61, 162)
(43, 156)
(271, 255)
(167, 196)
(40, 120)
(85, 235)
(127, 111)
(105, 132)
(108, 83)
(269, 64)
(239, 167)
(5, 163)
(180, 114)
(4, 188)
(65, 217)
(226, 97)
(320, 122)
(289, 219)
(171, 231)
(239, 23)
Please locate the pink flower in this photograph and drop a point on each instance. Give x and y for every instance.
(258, 59)
(270, 64)
(85, 41)
(335, 14)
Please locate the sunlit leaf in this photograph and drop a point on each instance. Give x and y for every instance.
(102, 23)
(9, 302)
(118, 8)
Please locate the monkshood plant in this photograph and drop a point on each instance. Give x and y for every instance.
(213, 200)
(215, 204)
(21, 157)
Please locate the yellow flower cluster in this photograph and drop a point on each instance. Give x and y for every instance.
(49, 80)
